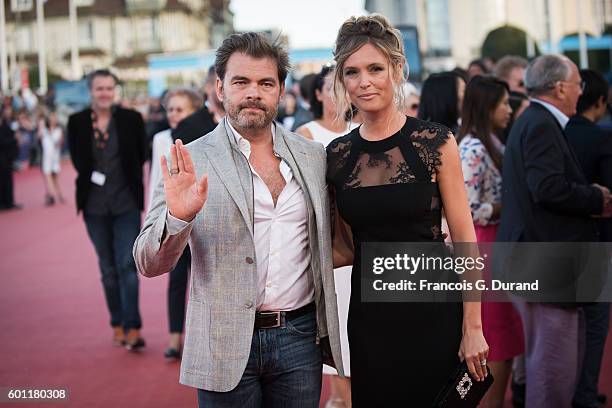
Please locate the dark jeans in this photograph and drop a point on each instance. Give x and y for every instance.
(113, 237)
(597, 320)
(177, 290)
(284, 370)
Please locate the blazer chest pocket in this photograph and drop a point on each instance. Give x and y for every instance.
(231, 334)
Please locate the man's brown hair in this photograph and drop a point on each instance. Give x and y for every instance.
(254, 45)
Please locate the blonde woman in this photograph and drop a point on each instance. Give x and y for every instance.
(388, 180)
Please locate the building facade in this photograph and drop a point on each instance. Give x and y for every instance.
(117, 33)
(451, 32)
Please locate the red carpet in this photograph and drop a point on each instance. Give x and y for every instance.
(55, 331)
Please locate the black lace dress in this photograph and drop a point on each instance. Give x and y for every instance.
(402, 354)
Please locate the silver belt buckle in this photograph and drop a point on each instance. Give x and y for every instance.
(278, 319)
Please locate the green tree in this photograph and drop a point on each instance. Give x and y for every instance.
(52, 77)
(506, 40)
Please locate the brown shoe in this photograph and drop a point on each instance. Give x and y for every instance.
(118, 336)
(133, 341)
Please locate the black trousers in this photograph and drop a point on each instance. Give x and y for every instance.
(6, 187)
(177, 291)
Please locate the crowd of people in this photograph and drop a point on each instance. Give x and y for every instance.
(253, 217)
(30, 135)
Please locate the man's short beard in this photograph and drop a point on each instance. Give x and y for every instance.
(255, 122)
(245, 121)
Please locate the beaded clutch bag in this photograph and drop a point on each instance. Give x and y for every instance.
(462, 391)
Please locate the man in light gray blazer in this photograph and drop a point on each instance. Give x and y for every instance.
(251, 200)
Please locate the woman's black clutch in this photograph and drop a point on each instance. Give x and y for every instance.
(462, 391)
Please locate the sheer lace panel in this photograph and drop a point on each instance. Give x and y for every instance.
(354, 162)
(375, 169)
(383, 162)
(435, 202)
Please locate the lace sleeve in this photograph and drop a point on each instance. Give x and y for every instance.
(428, 139)
(337, 156)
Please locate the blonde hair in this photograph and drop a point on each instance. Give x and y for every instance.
(354, 33)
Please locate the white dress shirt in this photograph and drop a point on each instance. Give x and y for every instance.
(559, 116)
(162, 141)
(281, 240)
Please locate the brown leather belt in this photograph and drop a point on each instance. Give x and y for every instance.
(269, 320)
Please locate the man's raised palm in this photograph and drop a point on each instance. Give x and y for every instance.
(185, 195)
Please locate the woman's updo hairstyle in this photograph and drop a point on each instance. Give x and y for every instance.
(376, 30)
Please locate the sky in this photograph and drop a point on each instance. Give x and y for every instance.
(308, 23)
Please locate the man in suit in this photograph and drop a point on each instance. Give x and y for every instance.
(593, 147)
(546, 198)
(108, 146)
(253, 207)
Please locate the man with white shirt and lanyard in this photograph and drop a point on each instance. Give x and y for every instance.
(253, 206)
(547, 198)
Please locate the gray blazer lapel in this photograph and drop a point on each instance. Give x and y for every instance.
(226, 159)
(299, 162)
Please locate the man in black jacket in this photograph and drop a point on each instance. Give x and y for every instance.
(108, 149)
(546, 198)
(8, 153)
(592, 144)
(593, 147)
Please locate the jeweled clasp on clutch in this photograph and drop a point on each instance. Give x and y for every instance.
(462, 389)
